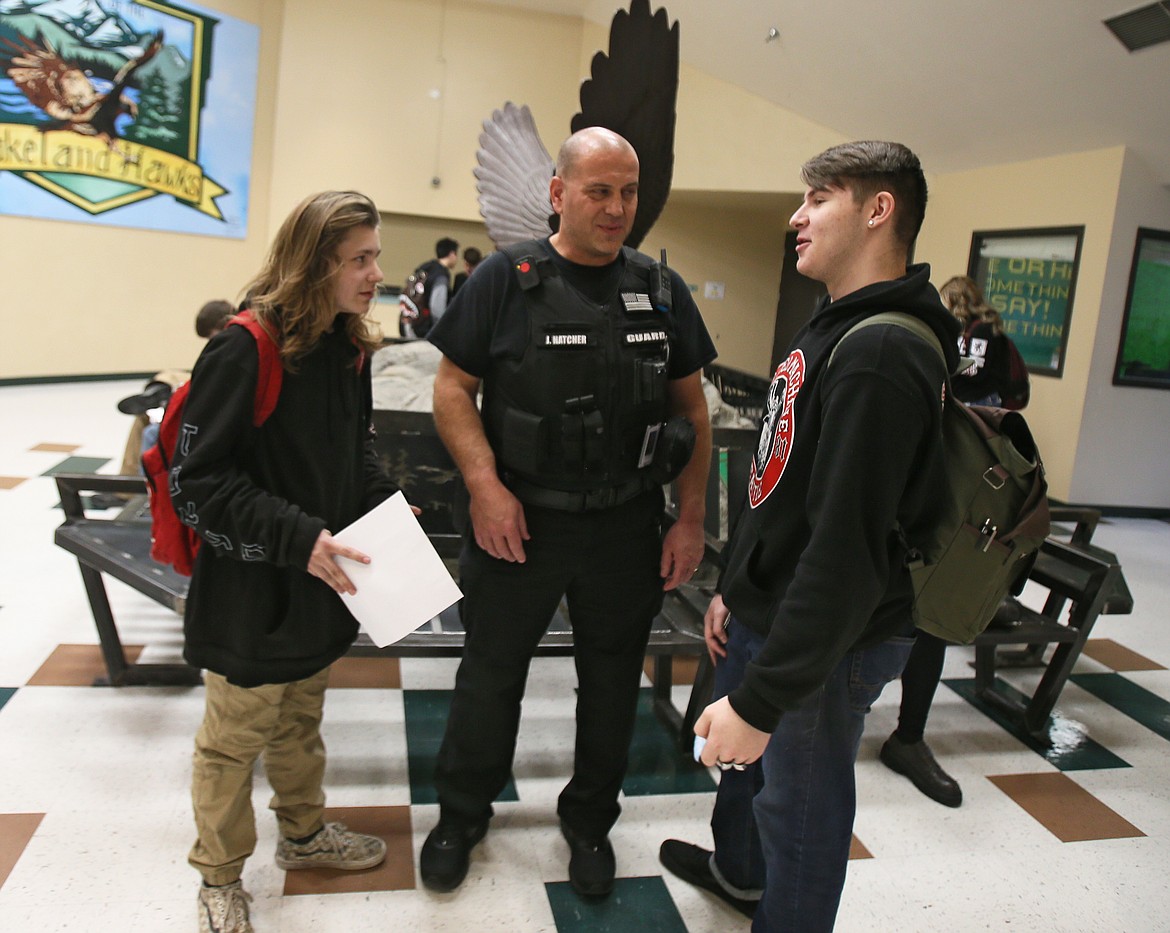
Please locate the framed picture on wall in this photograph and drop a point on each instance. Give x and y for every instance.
(1143, 356)
(1029, 277)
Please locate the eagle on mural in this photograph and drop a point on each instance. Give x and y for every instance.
(67, 95)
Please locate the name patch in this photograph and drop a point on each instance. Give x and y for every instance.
(566, 340)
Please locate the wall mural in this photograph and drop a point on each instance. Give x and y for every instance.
(134, 114)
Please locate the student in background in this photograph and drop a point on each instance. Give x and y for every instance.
(472, 257)
(209, 321)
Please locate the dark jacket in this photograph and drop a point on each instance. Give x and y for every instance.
(988, 375)
(845, 452)
(260, 497)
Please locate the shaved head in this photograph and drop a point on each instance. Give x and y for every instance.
(589, 141)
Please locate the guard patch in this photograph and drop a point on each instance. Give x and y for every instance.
(636, 301)
(646, 336)
(775, 445)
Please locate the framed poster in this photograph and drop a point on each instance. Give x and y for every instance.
(1143, 356)
(1029, 277)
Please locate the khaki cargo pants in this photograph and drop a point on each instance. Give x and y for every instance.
(280, 721)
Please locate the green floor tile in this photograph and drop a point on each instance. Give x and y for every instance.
(78, 465)
(426, 718)
(6, 694)
(1069, 748)
(1136, 702)
(657, 765)
(637, 905)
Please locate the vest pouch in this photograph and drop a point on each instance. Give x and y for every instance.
(649, 381)
(524, 441)
(672, 452)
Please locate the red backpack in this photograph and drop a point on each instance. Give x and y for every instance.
(172, 542)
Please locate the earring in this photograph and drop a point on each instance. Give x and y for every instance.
(871, 223)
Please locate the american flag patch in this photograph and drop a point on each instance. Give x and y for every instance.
(635, 301)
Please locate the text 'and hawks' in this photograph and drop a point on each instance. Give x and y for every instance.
(993, 519)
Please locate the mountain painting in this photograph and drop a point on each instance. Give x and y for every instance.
(135, 114)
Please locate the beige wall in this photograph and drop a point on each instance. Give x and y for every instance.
(1124, 443)
(365, 116)
(737, 242)
(110, 300)
(1073, 190)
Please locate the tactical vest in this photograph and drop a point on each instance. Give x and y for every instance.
(580, 409)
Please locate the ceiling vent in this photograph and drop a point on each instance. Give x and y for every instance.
(1143, 27)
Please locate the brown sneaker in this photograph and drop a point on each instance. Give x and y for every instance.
(334, 846)
(224, 909)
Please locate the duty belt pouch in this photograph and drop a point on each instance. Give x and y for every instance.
(525, 441)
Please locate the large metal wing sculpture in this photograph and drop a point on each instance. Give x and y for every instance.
(632, 91)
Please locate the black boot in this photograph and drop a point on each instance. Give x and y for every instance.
(155, 395)
(914, 759)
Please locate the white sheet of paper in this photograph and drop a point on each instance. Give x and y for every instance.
(405, 584)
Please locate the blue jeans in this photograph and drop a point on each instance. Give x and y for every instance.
(783, 826)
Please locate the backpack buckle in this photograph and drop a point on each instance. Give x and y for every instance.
(995, 477)
(987, 534)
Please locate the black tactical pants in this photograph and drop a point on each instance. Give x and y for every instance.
(606, 564)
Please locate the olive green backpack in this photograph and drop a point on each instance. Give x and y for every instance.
(994, 518)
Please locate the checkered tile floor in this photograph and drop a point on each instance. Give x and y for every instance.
(94, 809)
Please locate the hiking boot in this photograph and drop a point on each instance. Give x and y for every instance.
(915, 761)
(591, 864)
(446, 854)
(692, 864)
(334, 846)
(224, 909)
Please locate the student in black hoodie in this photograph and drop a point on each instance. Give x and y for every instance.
(263, 616)
(813, 613)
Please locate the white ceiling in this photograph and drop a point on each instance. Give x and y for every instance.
(963, 84)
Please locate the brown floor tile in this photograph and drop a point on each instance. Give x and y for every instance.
(16, 829)
(11, 482)
(1064, 808)
(1108, 652)
(76, 666)
(55, 448)
(857, 850)
(682, 671)
(382, 673)
(394, 874)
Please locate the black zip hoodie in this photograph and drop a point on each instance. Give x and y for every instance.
(845, 452)
(261, 496)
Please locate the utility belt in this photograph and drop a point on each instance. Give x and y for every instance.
(588, 500)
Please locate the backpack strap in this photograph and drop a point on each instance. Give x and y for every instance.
(914, 325)
(898, 319)
(271, 371)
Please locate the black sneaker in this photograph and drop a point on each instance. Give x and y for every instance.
(446, 854)
(155, 395)
(914, 759)
(693, 864)
(591, 864)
